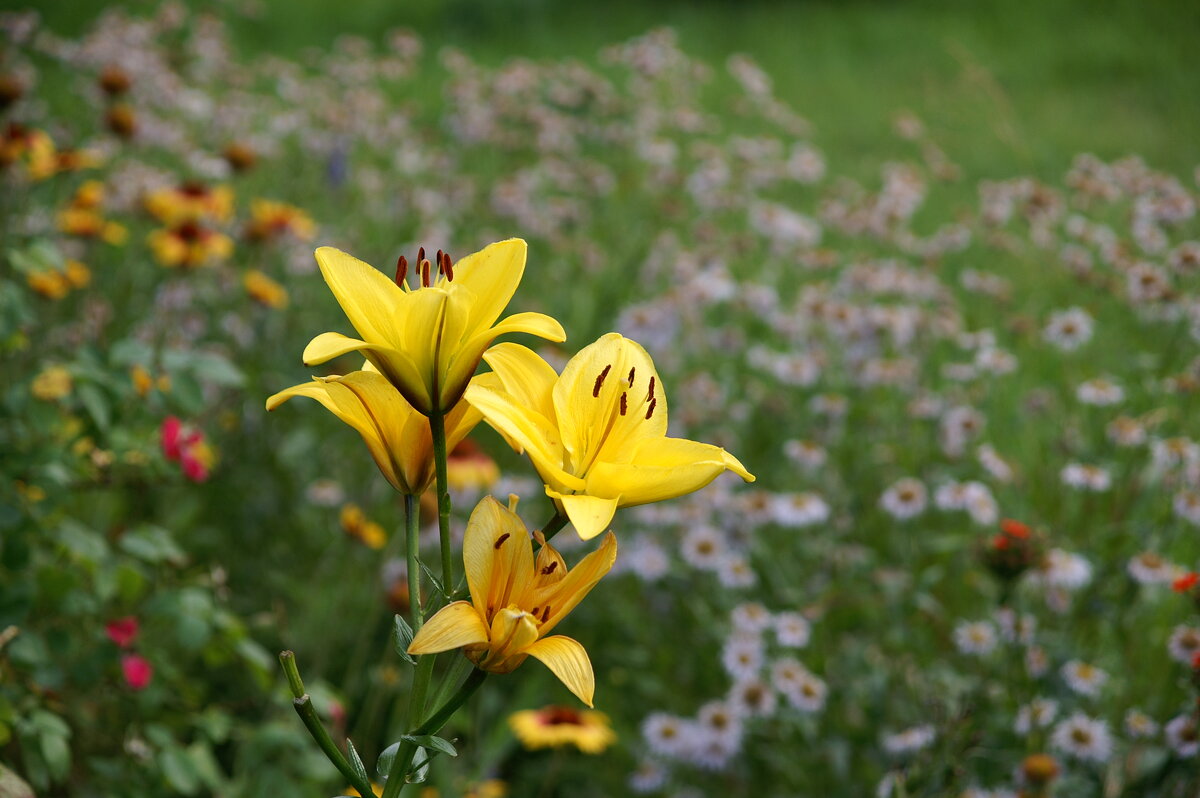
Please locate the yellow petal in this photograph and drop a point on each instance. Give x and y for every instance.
(492, 274)
(663, 469)
(327, 346)
(526, 377)
(563, 596)
(368, 297)
(590, 515)
(538, 324)
(513, 631)
(529, 429)
(453, 626)
(568, 660)
(423, 313)
(497, 557)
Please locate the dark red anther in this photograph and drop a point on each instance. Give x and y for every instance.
(545, 614)
(401, 270)
(549, 569)
(448, 267)
(425, 274)
(650, 409)
(420, 255)
(440, 255)
(624, 404)
(500, 540)
(630, 380)
(650, 393)
(600, 381)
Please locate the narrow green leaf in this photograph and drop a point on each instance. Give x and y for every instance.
(432, 742)
(356, 762)
(404, 635)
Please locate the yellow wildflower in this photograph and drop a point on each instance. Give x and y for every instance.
(516, 601)
(397, 436)
(469, 468)
(52, 283)
(263, 290)
(356, 524)
(54, 382)
(189, 244)
(555, 727)
(596, 434)
(191, 201)
(78, 274)
(269, 219)
(427, 341)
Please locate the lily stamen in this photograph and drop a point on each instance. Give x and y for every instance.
(600, 381)
(500, 540)
(631, 371)
(650, 393)
(624, 404)
(650, 409)
(401, 271)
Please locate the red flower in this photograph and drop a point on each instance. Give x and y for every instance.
(1014, 528)
(170, 433)
(1185, 583)
(138, 672)
(1000, 542)
(122, 631)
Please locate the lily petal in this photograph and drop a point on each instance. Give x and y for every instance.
(492, 274)
(568, 660)
(538, 324)
(590, 515)
(329, 345)
(497, 557)
(368, 297)
(526, 377)
(513, 632)
(663, 469)
(453, 626)
(533, 433)
(561, 597)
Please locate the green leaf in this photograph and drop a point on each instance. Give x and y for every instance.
(214, 368)
(57, 754)
(153, 544)
(432, 742)
(437, 583)
(356, 762)
(404, 635)
(179, 770)
(96, 405)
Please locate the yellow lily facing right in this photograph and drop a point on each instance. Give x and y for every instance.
(516, 600)
(397, 436)
(428, 341)
(597, 435)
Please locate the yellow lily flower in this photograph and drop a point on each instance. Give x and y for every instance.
(397, 436)
(427, 341)
(596, 434)
(516, 601)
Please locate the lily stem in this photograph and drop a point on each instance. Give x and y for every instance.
(404, 755)
(554, 525)
(308, 715)
(437, 429)
(412, 525)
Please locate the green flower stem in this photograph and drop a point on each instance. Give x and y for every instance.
(308, 716)
(404, 755)
(437, 428)
(554, 525)
(412, 523)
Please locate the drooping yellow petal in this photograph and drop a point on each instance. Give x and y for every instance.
(568, 660)
(453, 626)
(526, 377)
(492, 274)
(559, 598)
(329, 345)
(532, 432)
(590, 515)
(497, 557)
(662, 469)
(368, 297)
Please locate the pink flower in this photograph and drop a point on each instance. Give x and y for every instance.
(171, 435)
(138, 672)
(122, 631)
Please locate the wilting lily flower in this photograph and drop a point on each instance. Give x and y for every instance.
(516, 601)
(427, 341)
(397, 436)
(597, 434)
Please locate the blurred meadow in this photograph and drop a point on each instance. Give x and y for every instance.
(927, 269)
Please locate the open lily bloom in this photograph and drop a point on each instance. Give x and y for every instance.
(397, 436)
(597, 434)
(428, 341)
(516, 600)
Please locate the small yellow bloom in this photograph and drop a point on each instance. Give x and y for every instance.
(53, 383)
(555, 727)
(31, 493)
(597, 435)
(189, 244)
(263, 290)
(269, 219)
(489, 788)
(397, 436)
(374, 788)
(356, 524)
(192, 201)
(51, 284)
(428, 341)
(78, 274)
(516, 600)
(469, 468)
